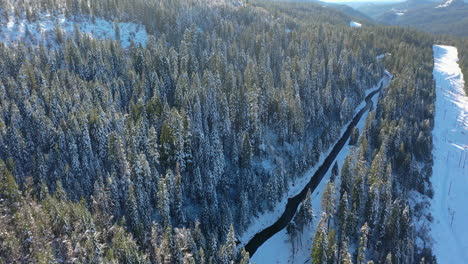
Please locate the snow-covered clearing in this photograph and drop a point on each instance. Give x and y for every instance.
(450, 169)
(278, 249)
(445, 4)
(399, 12)
(14, 29)
(355, 24)
(235, 3)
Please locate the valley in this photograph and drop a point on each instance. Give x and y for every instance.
(278, 246)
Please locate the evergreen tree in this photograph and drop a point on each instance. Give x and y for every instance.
(345, 256)
(354, 137)
(305, 215)
(320, 245)
(328, 201)
(9, 190)
(363, 244)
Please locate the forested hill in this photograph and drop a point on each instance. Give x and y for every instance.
(163, 151)
(439, 17)
(318, 5)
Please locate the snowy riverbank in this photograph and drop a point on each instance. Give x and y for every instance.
(450, 169)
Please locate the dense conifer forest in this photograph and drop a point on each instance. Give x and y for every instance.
(164, 152)
(391, 165)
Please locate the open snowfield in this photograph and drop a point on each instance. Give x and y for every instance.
(446, 4)
(14, 29)
(450, 169)
(355, 24)
(278, 249)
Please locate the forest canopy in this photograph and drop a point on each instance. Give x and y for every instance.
(157, 152)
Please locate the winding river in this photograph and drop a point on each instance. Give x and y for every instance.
(293, 203)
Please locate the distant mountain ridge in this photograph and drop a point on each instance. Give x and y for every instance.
(447, 17)
(343, 8)
(346, 10)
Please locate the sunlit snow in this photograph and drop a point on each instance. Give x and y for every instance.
(450, 169)
(14, 30)
(445, 4)
(355, 24)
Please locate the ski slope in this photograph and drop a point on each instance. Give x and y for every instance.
(450, 170)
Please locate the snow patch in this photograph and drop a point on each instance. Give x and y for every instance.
(445, 4)
(234, 3)
(450, 168)
(14, 30)
(355, 24)
(399, 12)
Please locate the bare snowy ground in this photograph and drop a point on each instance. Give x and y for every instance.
(446, 4)
(355, 24)
(279, 248)
(450, 169)
(14, 29)
(235, 3)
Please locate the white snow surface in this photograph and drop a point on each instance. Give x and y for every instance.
(399, 12)
(450, 169)
(355, 24)
(278, 249)
(445, 4)
(235, 3)
(14, 29)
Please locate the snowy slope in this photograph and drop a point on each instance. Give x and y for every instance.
(450, 169)
(278, 249)
(446, 4)
(14, 29)
(355, 24)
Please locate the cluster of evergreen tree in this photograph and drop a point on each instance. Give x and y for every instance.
(368, 216)
(463, 59)
(462, 46)
(167, 140)
(53, 229)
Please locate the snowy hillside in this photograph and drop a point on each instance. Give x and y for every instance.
(445, 4)
(14, 29)
(450, 169)
(440, 17)
(451, 3)
(355, 24)
(235, 3)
